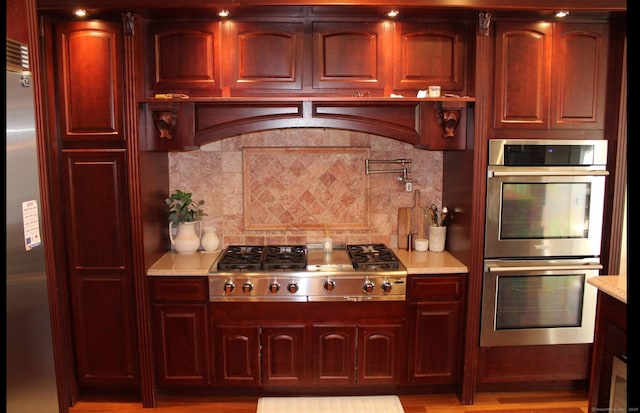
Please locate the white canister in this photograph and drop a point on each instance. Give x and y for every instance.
(421, 244)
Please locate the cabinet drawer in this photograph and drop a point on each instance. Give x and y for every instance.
(429, 288)
(179, 289)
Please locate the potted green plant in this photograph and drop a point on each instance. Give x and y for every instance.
(184, 209)
(184, 212)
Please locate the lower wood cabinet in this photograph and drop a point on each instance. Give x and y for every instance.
(180, 334)
(435, 332)
(299, 354)
(307, 346)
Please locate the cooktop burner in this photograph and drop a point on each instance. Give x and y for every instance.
(271, 257)
(373, 256)
(285, 257)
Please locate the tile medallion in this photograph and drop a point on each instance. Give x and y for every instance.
(305, 188)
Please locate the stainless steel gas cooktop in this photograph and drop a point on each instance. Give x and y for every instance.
(307, 273)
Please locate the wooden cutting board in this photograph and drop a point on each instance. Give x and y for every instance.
(404, 226)
(417, 217)
(410, 220)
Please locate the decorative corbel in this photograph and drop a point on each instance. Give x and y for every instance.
(165, 121)
(128, 23)
(449, 118)
(484, 23)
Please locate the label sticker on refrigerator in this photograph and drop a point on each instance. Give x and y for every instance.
(30, 224)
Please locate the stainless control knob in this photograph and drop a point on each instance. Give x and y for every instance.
(386, 287)
(274, 287)
(368, 286)
(329, 285)
(292, 287)
(247, 287)
(229, 286)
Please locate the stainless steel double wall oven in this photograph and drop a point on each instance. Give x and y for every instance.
(544, 215)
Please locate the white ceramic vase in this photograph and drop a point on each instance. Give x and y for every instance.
(187, 240)
(210, 241)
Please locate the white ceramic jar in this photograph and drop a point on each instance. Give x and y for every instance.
(210, 241)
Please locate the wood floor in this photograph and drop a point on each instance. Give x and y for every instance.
(512, 402)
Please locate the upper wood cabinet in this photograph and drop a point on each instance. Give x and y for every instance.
(348, 55)
(550, 76)
(89, 81)
(430, 54)
(184, 57)
(264, 56)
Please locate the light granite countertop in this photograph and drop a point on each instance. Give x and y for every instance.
(614, 285)
(198, 264)
(427, 262)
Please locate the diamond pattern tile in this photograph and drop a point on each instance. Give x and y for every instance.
(306, 188)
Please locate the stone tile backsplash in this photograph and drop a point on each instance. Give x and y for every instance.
(217, 172)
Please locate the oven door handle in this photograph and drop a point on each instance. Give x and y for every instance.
(503, 268)
(547, 172)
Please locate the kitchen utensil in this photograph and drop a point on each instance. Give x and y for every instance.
(404, 226)
(417, 217)
(444, 216)
(410, 242)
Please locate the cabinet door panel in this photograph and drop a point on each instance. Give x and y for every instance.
(378, 347)
(185, 57)
(102, 304)
(266, 55)
(181, 344)
(579, 76)
(237, 354)
(335, 354)
(430, 54)
(89, 82)
(435, 341)
(348, 55)
(283, 355)
(522, 75)
(99, 264)
(96, 209)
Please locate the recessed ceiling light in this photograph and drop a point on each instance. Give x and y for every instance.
(562, 13)
(80, 12)
(223, 13)
(393, 13)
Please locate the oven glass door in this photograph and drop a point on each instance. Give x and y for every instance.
(538, 303)
(544, 216)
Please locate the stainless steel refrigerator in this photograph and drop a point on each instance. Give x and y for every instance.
(30, 378)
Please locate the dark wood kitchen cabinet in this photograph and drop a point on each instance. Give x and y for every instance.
(349, 55)
(180, 334)
(610, 342)
(90, 203)
(300, 352)
(185, 57)
(427, 54)
(283, 358)
(435, 336)
(264, 56)
(550, 76)
(349, 354)
(237, 354)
